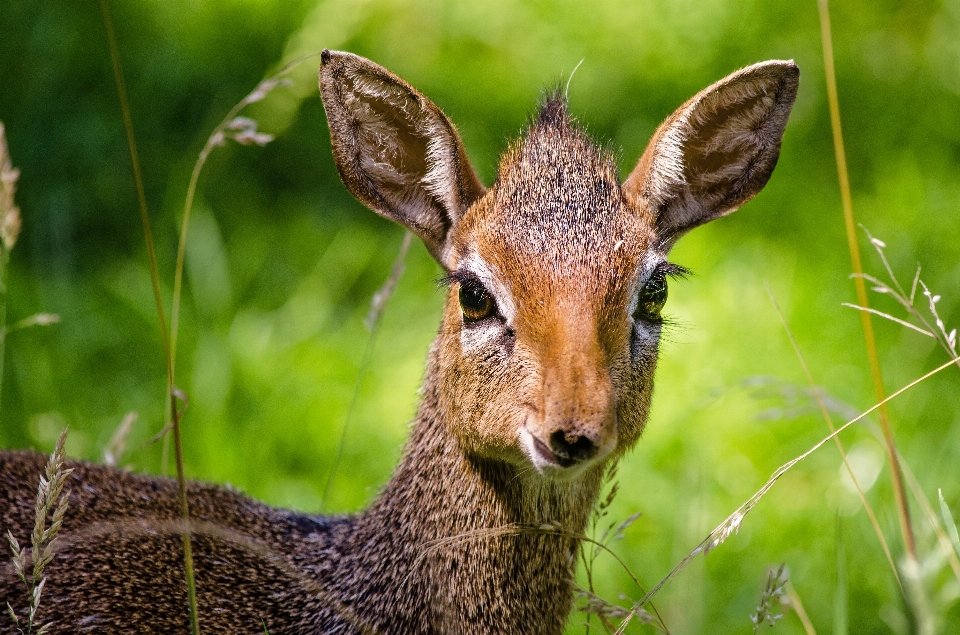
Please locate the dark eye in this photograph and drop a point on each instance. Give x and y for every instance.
(475, 302)
(652, 297)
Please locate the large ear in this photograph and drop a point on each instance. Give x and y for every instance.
(395, 149)
(716, 151)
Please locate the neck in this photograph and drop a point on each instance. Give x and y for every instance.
(475, 544)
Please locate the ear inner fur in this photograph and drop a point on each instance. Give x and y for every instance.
(716, 151)
(395, 149)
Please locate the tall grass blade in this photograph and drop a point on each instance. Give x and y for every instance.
(841, 621)
(155, 279)
(378, 305)
(843, 454)
(949, 523)
(801, 612)
(903, 511)
(243, 130)
(9, 231)
(953, 559)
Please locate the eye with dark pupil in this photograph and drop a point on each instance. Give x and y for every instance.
(475, 302)
(652, 297)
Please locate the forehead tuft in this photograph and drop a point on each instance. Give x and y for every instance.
(557, 186)
(555, 224)
(557, 196)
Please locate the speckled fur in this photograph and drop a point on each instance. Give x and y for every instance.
(451, 544)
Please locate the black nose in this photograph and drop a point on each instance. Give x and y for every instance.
(572, 448)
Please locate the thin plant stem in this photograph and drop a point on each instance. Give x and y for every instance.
(215, 139)
(9, 229)
(733, 521)
(4, 261)
(373, 321)
(887, 316)
(797, 607)
(932, 518)
(840, 448)
(903, 510)
(896, 291)
(155, 279)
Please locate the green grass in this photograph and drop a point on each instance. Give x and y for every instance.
(280, 265)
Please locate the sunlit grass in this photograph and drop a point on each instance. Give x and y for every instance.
(270, 382)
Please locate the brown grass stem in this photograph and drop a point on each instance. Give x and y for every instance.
(217, 138)
(242, 130)
(155, 279)
(843, 453)
(732, 523)
(213, 141)
(797, 607)
(903, 511)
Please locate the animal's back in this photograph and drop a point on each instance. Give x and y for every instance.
(119, 563)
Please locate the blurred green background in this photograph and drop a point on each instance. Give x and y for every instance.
(282, 263)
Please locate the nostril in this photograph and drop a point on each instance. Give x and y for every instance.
(572, 448)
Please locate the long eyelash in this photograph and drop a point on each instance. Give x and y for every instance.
(677, 272)
(446, 280)
(457, 276)
(670, 328)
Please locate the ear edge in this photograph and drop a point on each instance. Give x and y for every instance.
(450, 184)
(346, 157)
(663, 157)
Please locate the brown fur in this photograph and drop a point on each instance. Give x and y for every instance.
(472, 534)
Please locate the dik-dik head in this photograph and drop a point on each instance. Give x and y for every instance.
(558, 272)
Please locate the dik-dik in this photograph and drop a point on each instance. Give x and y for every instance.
(541, 376)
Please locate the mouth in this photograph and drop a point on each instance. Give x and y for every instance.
(548, 455)
(546, 461)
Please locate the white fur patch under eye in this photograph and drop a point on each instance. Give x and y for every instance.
(480, 335)
(646, 335)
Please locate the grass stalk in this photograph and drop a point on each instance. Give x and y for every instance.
(377, 306)
(797, 605)
(943, 539)
(9, 231)
(841, 614)
(843, 454)
(769, 610)
(4, 261)
(243, 131)
(155, 279)
(732, 523)
(50, 509)
(903, 510)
